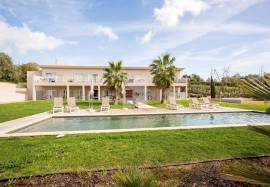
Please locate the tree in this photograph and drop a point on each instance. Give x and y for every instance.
(114, 77)
(164, 73)
(213, 89)
(194, 78)
(6, 67)
(31, 66)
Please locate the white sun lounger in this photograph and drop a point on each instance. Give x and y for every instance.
(58, 104)
(71, 104)
(105, 104)
(172, 105)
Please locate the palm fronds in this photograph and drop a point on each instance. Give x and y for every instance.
(164, 72)
(257, 87)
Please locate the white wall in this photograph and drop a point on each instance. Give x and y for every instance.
(12, 93)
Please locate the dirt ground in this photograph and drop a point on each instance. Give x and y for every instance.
(244, 172)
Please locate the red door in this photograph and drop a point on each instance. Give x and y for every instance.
(129, 93)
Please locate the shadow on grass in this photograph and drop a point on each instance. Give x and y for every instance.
(260, 129)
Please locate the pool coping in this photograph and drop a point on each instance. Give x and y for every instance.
(63, 133)
(9, 128)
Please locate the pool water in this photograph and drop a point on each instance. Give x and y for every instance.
(146, 121)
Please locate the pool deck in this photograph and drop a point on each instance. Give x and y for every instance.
(7, 128)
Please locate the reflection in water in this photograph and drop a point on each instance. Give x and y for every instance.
(147, 121)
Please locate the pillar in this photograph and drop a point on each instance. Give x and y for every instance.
(145, 92)
(34, 96)
(67, 91)
(178, 92)
(174, 95)
(160, 94)
(99, 94)
(186, 96)
(83, 92)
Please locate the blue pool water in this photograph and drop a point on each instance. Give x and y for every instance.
(152, 121)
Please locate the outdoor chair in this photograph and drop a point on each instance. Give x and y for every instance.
(172, 105)
(207, 102)
(195, 103)
(105, 104)
(58, 104)
(71, 104)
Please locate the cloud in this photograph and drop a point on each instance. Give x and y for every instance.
(106, 31)
(22, 39)
(172, 10)
(146, 37)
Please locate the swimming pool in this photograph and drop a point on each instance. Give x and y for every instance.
(145, 121)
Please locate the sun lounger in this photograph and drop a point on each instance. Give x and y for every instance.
(172, 105)
(105, 104)
(71, 104)
(196, 104)
(207, 102)
(58, 104)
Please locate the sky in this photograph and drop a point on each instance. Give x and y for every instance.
(202, 35)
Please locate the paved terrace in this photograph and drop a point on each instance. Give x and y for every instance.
(7, 128)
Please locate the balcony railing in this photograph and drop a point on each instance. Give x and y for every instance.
(131, 81)
(66, 80)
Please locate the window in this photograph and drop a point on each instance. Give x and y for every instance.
(50, 77)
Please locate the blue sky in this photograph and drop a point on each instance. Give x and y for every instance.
(231, 34)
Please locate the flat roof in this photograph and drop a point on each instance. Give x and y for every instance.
(93, 67)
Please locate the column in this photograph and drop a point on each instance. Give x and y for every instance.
(178, 92)
(99, 94)
(186, 96)
(83, 92)
(34, 97)
(67, 91)
(174, 95)
(160, 94)
(145, 92)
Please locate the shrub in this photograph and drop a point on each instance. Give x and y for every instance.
(267, 110)
(134, 178)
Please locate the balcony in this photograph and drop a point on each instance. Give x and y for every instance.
(181, 80)
(39, 80)
(52, 81)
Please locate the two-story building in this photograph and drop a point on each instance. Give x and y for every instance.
(75, 81)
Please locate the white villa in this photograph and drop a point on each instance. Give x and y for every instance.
(75, 81)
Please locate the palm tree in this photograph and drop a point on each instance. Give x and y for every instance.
(114, 77)
(164, 73)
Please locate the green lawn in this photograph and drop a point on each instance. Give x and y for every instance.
(250, 106)
(48, 154)
(12, 111)
(156, 103)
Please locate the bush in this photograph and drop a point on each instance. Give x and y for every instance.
(134, 178)
(267, 110)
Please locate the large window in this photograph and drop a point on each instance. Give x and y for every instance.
(53, 77)
(85, 77)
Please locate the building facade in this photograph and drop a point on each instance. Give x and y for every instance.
(75, 81)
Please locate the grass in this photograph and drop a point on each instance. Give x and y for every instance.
(12, 111)
(47, 154)
(157, 104)
(249, 106)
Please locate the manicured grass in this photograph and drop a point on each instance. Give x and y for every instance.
(156, 103)
(185, 103)
(40, 155)
(12, 111)
(97, 104)
(249, 106)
